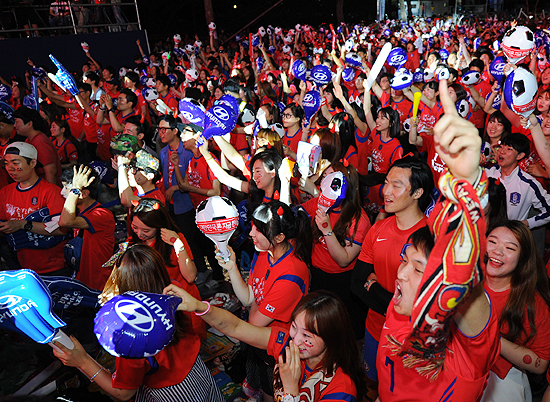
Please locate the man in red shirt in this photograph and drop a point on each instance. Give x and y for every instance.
(163, 89)
(82, 212)
(32, 126)
(26, 196)
(406, 192)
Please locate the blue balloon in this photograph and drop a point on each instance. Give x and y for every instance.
(143, 80)
(237, 38)
(259, 63)
(418, 75)
(353, 59)
(255, 41)
(23, 239)
(397, 57)
(136, 324)
(32, 101)
(311, 104)
(444, 53)
(271, 49)
(179, 51)
(173, 79)
(220, 120)
(496, 68)
(26, 306)
(39, 72)
(299, 69)
(191, 112)
(5, 93)
(245, 44)
(348, 74)
(68, 292)
(321, 74)
(387, 32)
(231, 101)
(64, 77)
(7, 110)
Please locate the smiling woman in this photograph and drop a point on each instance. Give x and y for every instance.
(517, 283)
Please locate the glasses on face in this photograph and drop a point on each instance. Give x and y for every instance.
(163, 129)
(135, 169)
(287, 115)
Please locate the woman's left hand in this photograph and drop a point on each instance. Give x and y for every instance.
(291, 371)
(188, 302)
(322, 220)
(75, 357)
(168, 236)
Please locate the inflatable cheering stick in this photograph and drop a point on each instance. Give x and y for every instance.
(333, 191)
(136, 324)
(65, 79)
(218, 218)
(26, 307)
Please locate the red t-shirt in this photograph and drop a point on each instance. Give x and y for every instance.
(292, 141)
(66, 151)
(539, 345)
(47, 155)
(426, 118)
(170, 101)
(383, 154)
(466, 368)
(321, 257)
(363, 152)
(175, 362)
(383, 247)
(17, 204)
(404, 107)
(201, 176)
(478, 117)
(98, 243)
(76, 117)
(278, 286)
(90, 126)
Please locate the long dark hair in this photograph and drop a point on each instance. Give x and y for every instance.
(141, 268)
(275, 217)
(155, 215)
(351, 207)
(272, 161)
(528, 278)
(329, 143)
(497, 207)
(345, 127)
(326, 317)
(395, 121)
(63, 124)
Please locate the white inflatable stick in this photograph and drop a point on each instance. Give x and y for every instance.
(375, 70)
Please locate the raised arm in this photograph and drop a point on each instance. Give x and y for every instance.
(368, 113)
(221, 174)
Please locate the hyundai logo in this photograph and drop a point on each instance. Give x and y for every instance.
(9, 301)
(135, 315)
(221, 113)
(499, 67)
(397, 58)
(319, 75)
(308, 98)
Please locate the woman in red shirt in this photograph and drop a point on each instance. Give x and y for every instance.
(517, 285)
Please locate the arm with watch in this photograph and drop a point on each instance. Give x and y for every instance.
(365, 286)
(69, 215)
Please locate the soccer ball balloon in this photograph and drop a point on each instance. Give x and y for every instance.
(517, 43)
(218, 218)
(333, 191)
(520, 91)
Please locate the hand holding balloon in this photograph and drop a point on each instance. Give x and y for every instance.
(75, 357)
(188, 302)
(229, 264)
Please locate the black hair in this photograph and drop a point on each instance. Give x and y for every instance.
(297, 111)
(395, 121)
(132, 76)
(497, 207)
(164, 80)
(111, 69)
(27, 114)
(460, 92)
(275, 217)
(519, 142)
(231, 86)
(422, 240)
(130, 96)
(92, 76)
(136, 121)
(272, 161)
(85, 87)
(68, 174)
(421, 178)
(477, 63)
(345, 127)
(171, 120)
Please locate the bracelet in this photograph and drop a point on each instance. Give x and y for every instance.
(112, 110)
(205, 311)
(328, 233)
(96, 374)
(103, 108)
(368, 283)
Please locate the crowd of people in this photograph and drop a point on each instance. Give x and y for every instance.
(434, 256)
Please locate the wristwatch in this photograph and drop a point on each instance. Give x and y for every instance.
(76, 191)
(289, 398)
(28, 226)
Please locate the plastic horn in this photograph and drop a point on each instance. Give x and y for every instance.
(378, 64)
(416, 104)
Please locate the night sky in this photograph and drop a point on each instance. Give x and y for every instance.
(163, 18)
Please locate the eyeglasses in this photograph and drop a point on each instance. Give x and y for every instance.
(287, 115)
(135, 169)
(163, 129)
